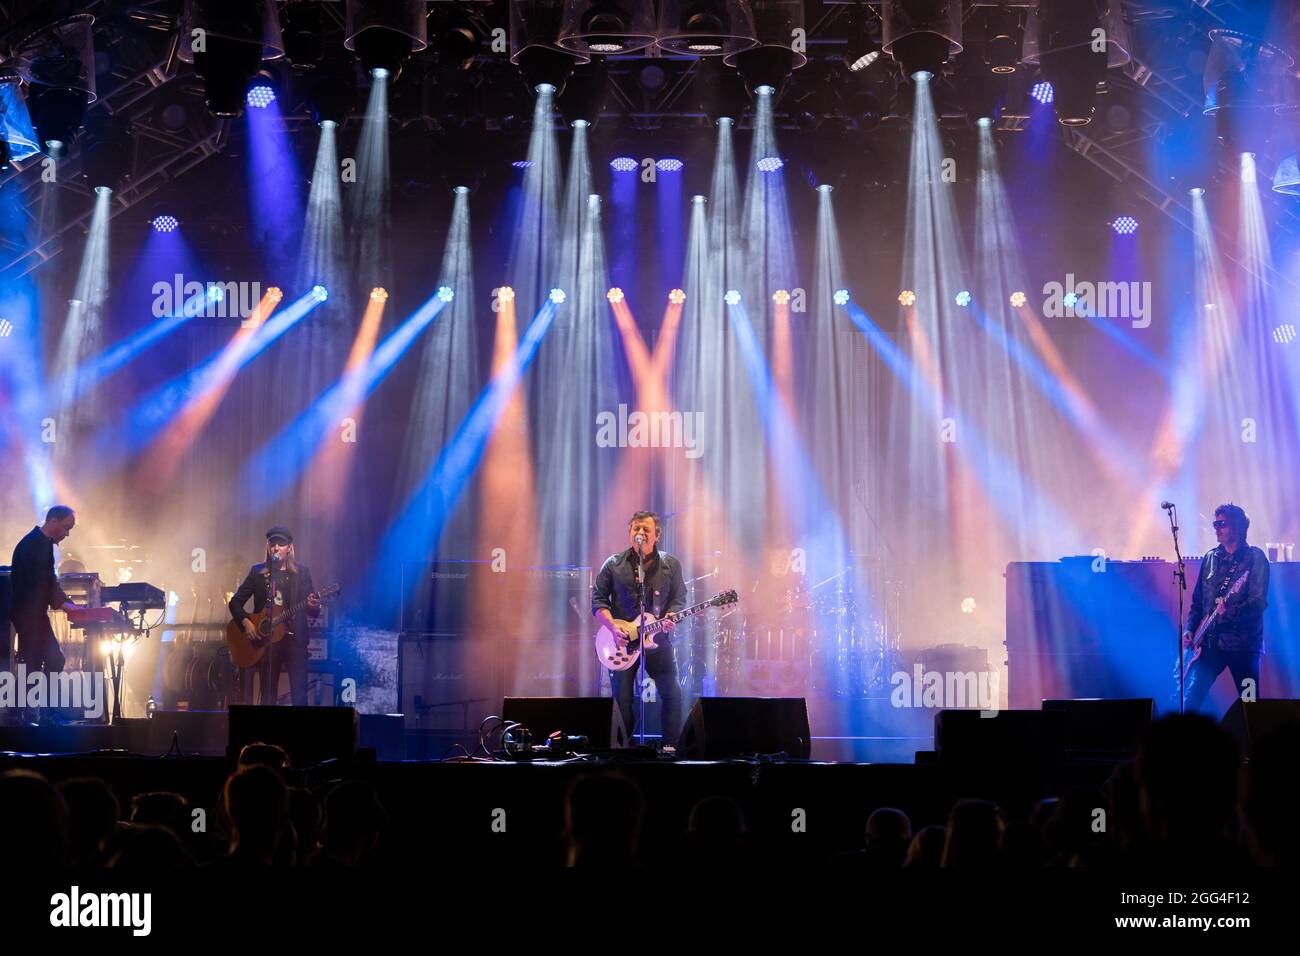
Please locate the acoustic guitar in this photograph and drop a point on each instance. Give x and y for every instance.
(246, 651)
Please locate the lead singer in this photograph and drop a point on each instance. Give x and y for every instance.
(614, 600)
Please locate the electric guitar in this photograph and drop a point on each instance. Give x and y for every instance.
(619, 657)
(271, 628)
(1197, 645)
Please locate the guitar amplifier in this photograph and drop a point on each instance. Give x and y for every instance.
(447, 682)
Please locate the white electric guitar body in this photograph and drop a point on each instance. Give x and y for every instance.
(619, 656)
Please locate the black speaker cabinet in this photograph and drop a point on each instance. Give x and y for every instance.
(720, 727)
(1099, 726)
(1249, 720)
(596, 718)
(1023, 738)
(309, 734)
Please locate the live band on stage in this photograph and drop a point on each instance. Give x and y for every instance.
(640, 599)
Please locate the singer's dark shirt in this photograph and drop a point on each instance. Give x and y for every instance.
(290, 587)
(616, 586)
(1242, 625)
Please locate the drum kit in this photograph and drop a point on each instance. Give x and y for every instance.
(823, 638)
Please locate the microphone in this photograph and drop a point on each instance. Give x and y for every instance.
(1167, 505)
(640, 539)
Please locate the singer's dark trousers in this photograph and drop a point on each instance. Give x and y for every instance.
(661, 667)
(1243, 665)
(291, 655)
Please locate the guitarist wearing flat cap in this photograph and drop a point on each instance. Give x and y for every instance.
(282, 583)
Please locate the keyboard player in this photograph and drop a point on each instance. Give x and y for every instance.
(35, 591)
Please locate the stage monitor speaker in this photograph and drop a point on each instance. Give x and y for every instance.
(1099, 726)
(721, 727)
(1247, 721)
(311, 735)
(1022, 738)
(596, 718)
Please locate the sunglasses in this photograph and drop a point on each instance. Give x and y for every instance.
(1220, 525)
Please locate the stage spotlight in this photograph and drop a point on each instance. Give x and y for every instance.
(445, 294)
(705, 27)
(1018, 299)
(1061, 36)
(907, 297)
(921, 34)
(781, 297)
(164, 223)
(226, 42)
(1124, 225)
(1243, 72)
(1286, 179)
(6, 328)
(378, 294)
(968, 605)
(588, 88)
(1070, 300)
(614, 295)
(319, 293)
(457, 42)
(841, 297)
(545, 70)
(732, 297)
(260, 95)
(676, 296)
(1004, 39)
(304, 43)
(505, 294)
(623, 164)
(522, 163)
(1196, 192)
(863, 35)
(383, 33)
(699, 199)
(607, 27)
(58, 62)
(274, 294)
(557, 296)
(865, 60)
(962, 298)
(770, 164)
(103, 191)
(669, 165)
(1284, 334)
(1043, 92)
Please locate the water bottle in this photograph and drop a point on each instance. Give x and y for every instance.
(150, 708)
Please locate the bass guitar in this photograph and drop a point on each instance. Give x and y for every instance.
(1197, 645)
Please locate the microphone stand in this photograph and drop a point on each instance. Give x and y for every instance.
(267, 694)
(640, 622)
(1180, 574)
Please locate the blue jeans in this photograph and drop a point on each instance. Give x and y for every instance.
(661, 667)
(1208, 667)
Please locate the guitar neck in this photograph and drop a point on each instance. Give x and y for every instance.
(658, 626)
